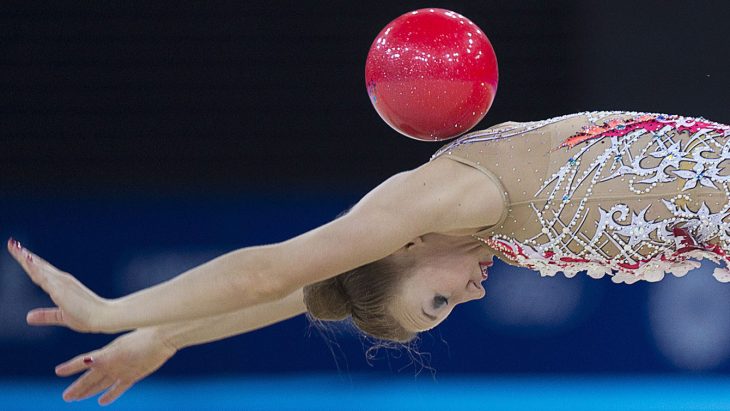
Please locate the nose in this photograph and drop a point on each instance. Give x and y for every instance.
(474, 291)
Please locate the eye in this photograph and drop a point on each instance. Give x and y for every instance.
(439, 301)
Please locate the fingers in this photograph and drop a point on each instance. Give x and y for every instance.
(114, 392)
(91, 383)
(45, 316)
(74, 365)
(21, 255)
(17, 250)
(82, 384)
(13, 245)
(31, 263)
(95, 388)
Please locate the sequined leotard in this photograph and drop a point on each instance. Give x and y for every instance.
(626, 194)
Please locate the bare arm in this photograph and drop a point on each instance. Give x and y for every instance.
(207, 329)
(133, 356)
(438, 197)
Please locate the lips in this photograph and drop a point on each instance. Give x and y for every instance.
(484, 267)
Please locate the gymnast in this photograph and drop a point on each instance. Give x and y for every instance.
(624, 194)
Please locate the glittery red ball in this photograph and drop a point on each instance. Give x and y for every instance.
(431, 74)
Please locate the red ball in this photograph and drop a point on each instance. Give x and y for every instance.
(431, 74)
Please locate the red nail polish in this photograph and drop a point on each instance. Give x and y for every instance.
(88, 360)
(15, 243)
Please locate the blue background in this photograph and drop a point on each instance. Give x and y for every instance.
(138, 141)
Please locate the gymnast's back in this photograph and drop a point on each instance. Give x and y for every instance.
(632, 195)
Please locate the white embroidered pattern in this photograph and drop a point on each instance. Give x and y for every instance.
(640, 248)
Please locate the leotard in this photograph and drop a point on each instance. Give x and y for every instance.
(626, 194)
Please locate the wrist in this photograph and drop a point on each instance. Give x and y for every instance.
(170, 335)
(165, 338)
(108, 319)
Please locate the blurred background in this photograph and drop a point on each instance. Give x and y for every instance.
(138, 140)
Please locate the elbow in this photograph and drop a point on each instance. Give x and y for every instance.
(260, 276)
(261, 281)
(259, 288)
(271, 287)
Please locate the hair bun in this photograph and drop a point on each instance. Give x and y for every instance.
(327, 300)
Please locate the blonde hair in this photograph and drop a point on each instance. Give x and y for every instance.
(364, 294)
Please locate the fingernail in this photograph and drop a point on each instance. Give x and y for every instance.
(28, 257)
(14, 243)
(88, 360)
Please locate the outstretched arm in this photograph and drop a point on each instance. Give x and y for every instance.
(134, 356)
(207, 329)
(440, 196)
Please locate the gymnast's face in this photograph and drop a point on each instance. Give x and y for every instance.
(445, 272)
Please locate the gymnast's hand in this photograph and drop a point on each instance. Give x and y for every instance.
(77, 307)
(117, 366)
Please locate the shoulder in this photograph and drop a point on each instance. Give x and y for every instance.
(441, 196)
(452, 195)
